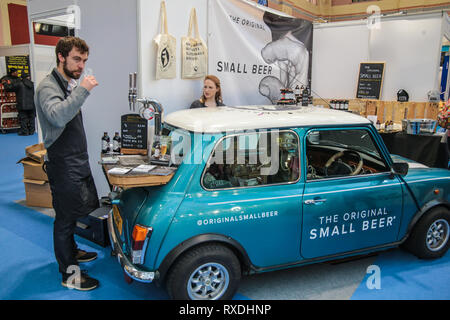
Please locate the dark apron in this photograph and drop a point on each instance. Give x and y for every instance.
(72, 185)
(71, 178)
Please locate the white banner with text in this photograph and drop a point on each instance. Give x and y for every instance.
(255, 52)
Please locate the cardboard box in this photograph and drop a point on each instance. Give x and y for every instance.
(36, 152)
(33, 170)
(38, 193)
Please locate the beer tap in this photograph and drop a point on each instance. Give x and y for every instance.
(132, 91)
(151, 107)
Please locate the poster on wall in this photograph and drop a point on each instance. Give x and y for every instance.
(20, 63)
(256, 52)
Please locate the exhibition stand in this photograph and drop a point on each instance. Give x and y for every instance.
(409, 63)
(247, 49)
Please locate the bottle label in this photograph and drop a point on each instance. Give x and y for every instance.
(116, 146)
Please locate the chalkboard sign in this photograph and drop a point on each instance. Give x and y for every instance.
(370, 80)
(134, 134)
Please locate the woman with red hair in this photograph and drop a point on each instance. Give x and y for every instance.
(212, 94)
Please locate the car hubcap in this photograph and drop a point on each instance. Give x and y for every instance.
(437, 235)
(208, 282)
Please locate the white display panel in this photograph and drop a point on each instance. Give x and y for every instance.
(410, 48)
(44, 62)
(337, 51)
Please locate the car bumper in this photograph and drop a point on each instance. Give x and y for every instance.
(130, 269)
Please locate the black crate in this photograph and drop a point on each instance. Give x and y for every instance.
(94, 226)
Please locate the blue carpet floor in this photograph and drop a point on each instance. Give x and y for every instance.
(28, 269)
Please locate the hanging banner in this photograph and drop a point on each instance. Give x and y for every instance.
(255, 53)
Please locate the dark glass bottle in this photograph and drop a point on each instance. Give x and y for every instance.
(105, 143)
(116, 142)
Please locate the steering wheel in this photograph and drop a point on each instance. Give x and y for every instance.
(339, 154)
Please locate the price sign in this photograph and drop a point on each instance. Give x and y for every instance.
(134, 134)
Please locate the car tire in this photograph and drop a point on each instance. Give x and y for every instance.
(430, 236)
(207, 272)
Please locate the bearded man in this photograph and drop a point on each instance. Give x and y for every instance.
(58, 101)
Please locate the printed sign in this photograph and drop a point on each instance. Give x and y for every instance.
(134, 134)
(370, 80)
(20, 63)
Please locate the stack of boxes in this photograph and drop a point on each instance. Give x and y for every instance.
(37, 188)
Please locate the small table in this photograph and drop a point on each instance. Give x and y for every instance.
(426, 149)
(158, 176)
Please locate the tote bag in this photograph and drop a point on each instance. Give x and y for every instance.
(194, 52)
(166, 48)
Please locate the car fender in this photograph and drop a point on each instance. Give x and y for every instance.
(190, 243)
(424, 209)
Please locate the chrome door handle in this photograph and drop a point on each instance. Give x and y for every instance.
(315, 201)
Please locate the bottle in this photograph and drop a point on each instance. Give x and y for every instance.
(378, 125)
(297, 94)
(116, 142)
(105, 143)
(305, 98)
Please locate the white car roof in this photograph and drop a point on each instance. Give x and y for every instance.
(239, 118)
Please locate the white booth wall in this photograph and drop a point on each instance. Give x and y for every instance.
(409, 45)
(44, 62)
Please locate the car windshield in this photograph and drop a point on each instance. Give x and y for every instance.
(358, 140)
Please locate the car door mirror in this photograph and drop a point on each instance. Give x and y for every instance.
(400, 168)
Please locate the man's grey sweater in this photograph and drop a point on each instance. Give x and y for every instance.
(53, 110)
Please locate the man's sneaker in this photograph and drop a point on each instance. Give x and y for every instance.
(83, 256)
(81, 281)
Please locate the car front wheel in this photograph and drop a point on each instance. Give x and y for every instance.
(208, 272)
(430, 237)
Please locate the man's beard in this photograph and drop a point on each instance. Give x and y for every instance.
(69, 73)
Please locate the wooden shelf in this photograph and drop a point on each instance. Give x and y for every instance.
(130, 180)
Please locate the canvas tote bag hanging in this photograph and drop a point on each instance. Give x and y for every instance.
(166, 48)
(194, 52)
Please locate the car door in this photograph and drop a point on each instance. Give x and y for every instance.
(344, 212)
(234, 197)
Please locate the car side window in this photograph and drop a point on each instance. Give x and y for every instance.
(253, 159)
(334, 153)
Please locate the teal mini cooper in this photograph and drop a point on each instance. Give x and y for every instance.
(262, 188)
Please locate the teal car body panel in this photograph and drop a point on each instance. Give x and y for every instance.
(281, 225)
